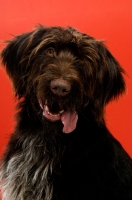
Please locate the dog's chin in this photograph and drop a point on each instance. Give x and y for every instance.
(68, 118)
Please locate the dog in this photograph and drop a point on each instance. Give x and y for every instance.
(61, 148)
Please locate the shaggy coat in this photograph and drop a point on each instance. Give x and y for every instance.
(61, 148)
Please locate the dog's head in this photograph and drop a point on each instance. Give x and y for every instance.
(62, 71)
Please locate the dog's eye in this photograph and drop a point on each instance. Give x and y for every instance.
(50, 51)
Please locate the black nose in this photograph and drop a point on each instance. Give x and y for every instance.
(60, 87)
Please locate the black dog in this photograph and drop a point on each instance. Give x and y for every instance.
(61, 148)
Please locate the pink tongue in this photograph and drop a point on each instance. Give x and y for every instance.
(69, 119)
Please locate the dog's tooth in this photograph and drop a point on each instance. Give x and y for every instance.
(48, 113)
(55, 115)
(52, 115)
(46, 108)
(61, 111)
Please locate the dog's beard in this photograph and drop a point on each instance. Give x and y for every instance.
(68, 118)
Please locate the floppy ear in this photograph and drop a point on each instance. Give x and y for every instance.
(17, 61)
(110, 75)
(107, 77)
(12, 56)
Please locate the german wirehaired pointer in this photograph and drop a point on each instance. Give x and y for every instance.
(61, 148)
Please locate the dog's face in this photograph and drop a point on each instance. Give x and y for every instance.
(64, 71)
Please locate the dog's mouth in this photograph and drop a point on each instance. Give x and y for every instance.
(56, 112)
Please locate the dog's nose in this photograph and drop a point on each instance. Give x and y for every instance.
(60, 87)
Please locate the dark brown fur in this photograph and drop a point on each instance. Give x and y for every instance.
(68, 70)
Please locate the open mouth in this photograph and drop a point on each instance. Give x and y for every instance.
(56, 112)
(54, 116)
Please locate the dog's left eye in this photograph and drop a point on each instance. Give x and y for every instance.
(50, 51)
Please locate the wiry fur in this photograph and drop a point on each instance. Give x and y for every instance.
(41, 162)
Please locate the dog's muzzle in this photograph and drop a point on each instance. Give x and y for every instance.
(69, 119)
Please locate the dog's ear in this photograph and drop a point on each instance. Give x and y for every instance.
(16, 58)
(107, 77)
(11, 59)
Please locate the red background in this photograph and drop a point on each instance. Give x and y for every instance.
(103, 19)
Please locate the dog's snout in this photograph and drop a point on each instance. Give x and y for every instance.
(60, 87)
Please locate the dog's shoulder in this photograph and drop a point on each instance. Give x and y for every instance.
(95, 141)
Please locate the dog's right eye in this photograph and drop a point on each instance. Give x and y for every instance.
(50, 51)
